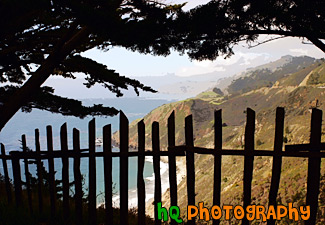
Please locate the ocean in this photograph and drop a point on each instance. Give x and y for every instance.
(134, 108)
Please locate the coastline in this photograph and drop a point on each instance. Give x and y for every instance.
(180, 174)
(149, 184)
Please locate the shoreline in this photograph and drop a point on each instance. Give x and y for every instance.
(180, 174)
(149, 185)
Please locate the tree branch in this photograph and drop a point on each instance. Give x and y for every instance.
(17, 100)
(317, 42)
(263, 42)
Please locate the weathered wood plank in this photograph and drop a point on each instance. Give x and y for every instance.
(156, 168)
(52, 188)
(77, 177)
(248, 158)
(92, 173)
(5, 171)
(27, 175)
(107, 148)
(65, 171)
(314, 166)
(277, 159)
(141, 185)
(190, 168)
(17, 177)
(217, 160)
(39, 172)
(172, 162)
(124, 167)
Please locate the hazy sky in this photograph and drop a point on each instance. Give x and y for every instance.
(133, 64)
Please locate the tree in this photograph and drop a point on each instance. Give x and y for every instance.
(40, 38)
(211, 30)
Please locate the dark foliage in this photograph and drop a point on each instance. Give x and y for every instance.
(211, 30)
(40, 38)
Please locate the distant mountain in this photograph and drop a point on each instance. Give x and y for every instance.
(299, 88)
(266, 75)
(169, 86)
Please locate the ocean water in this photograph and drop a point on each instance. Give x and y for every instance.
(134, 108)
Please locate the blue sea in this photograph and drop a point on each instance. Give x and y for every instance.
(26, 123)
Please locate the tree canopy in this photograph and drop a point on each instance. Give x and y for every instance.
(40, 38)
(213, 29)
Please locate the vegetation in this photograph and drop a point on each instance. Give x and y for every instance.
(11, 215)
(213, 29)
(317, 76)
(43, 38)
(267, 77)
(297, 100)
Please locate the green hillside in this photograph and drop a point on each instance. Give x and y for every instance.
(267, 76)
(317, 76)
(297, 101)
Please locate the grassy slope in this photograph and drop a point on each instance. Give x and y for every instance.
(266, 77)
(297, 102)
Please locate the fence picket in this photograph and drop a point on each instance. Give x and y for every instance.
(312, 151)
(248, 158)
(124, 167)
(277, 159)
(39, 172)
(5, 171)
(314, 166)
(172, 162)
(27, 176)
(52, 188)
(65, 171)
(92, 172)
(77, 177)
(190, 169)
(217, 160)
(141, 185)
(107, 148)
(17, 177)
(156, 167)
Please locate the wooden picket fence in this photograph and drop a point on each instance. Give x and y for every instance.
(312, 151)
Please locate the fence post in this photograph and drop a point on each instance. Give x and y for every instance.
(172, 162)
(17, 177)
(77, 177)
(314, 166)
(5, 170)
(156, 167)
(65, 172)
(27, 175)
(217, 159)
(141, 185)
(107, 148)
(92, 173)
(249, 158)
(52, 188)
(124, 167)
(190, 169)
(39, 171)
(277, 158)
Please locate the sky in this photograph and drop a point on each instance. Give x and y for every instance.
(134, 64)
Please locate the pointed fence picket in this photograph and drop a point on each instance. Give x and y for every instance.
(314, 151)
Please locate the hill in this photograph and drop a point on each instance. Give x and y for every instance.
(290, 92)
(266, 75)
